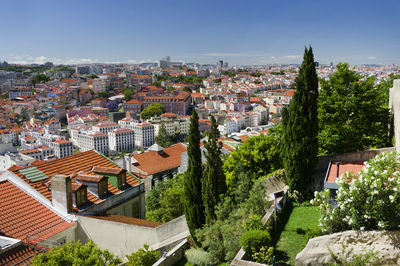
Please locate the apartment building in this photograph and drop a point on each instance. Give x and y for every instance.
(176, 102)
(87, 140)
(105, 127)
(144, 134)
(62, 148)
(172, 123)
(121, 139)
(134, 106)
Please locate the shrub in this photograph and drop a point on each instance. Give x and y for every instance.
(253, 223)
(77, 253)
(368, 202)
(264, 255)
(143, 257)
(255, 239)
(197, 256)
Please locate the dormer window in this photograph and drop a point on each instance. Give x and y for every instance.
(103, 188)
(81, 197)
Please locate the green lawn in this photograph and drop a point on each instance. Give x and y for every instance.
(293, 239)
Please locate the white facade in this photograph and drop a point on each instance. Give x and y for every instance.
(105, 127)
(121, 139)
(62, 148)
(171, 124)
(144, 135)
(91, 141)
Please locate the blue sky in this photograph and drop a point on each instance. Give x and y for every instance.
(240, 32)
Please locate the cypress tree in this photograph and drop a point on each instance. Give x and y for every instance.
(163, 137)
(214, 183)
(193, 203)
(300, 127)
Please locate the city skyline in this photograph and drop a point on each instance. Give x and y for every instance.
(239, 32)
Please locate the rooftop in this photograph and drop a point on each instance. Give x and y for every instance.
(152, 162)
(354, 167)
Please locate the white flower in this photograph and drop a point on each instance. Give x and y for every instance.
(381, 225)
(395, 189)
(362, 228)
(391, 197)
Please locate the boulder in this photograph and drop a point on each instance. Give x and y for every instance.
(386, 244)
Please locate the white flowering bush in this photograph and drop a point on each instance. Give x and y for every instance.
(370, 201)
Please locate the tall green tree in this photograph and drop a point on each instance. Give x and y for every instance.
(214, 183)
(193, 202)
(258, 156)
(163, 137)
(300, 127)
(353, 113)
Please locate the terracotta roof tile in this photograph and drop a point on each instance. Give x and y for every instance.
(354, 167)
(152, 162)
(21, 215)
(84, 161)
(20, 255)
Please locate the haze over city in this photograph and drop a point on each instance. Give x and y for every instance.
(240, 32)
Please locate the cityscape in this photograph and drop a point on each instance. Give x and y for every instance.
(121, 148)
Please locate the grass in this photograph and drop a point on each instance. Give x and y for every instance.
(293, 238)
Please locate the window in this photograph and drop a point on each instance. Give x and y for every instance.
(135, 210)
(80, 197)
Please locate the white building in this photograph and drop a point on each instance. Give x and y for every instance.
(121, 139)
(105, 127)
(172, 123)
(144, 135)
(62, 148)
(87, 140)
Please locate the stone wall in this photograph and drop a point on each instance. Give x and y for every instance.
(394, 104)
(384, 243)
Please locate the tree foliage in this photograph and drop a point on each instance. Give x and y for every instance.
(103, 94)
(128, 93)
(143, 257)
(353, 114)
(39, 78)
(187, 89)
(165, 200)
(163, 138)
(112, 106)
(193, 202)
(76, 254)
(300, 127)
(221, 238)
(152, 110)
(258, 156)
(214, 183)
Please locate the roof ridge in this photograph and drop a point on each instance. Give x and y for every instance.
(140, 181)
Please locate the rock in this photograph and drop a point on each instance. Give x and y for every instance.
(385, 243)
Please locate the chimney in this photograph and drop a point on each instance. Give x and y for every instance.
(337, 168)
(127, 162)
(61, 192)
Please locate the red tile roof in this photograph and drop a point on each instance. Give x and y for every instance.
(152, 162)
(169, 115)
(133, 101)
(84, 161)
(354, 167)
(21, 215)
(62, 141)
(20, 255)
